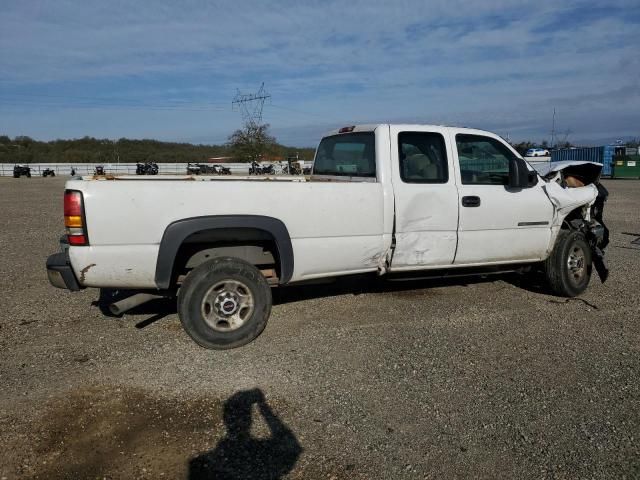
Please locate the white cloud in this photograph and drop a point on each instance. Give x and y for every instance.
(358, 60)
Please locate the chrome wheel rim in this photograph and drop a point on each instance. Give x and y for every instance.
(576, 264)
(227, 305)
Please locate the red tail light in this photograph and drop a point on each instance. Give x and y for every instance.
(77, 239)
(74, 220)
(72, 203)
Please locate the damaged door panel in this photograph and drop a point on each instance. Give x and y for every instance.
(426, 198)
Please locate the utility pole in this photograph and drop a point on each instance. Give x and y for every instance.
(251, 105)
(115, 151)
(553, 128)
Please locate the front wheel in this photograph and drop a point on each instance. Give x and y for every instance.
(568, 268)
(224, 303)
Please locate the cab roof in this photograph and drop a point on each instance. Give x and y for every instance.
(370, 127)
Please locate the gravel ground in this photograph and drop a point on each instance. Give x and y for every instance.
(486, 378)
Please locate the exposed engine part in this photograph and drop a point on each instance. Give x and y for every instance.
(580, 176)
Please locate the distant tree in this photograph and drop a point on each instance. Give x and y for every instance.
(24, 149)
(252, 142)
(76, 156)
(23, 141)
(22, 157)
(544, 144)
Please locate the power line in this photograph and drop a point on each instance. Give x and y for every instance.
(34, 99)
(295, 110)
(177, 107)
(99, 99)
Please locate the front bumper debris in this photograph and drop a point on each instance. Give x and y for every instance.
(60, 272)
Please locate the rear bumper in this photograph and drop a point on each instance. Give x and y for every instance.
(60, 272)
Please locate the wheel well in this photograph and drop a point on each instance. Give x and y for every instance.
(567, 223)
(222, 235)
(255, 246)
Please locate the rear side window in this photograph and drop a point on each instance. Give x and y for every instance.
(483, 160)
(348, 155)
(423, 157)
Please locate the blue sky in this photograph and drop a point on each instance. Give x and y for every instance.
(169, 70)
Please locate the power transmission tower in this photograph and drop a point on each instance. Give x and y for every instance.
(250, 105)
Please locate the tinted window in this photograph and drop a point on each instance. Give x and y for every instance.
(483, 160)
(423, 157)
(351, 155)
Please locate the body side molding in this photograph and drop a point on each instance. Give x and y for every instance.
(178, 231)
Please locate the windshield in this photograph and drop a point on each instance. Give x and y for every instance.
(349, 155)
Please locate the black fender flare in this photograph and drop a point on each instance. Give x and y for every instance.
(176, 232)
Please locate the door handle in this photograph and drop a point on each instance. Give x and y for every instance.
(471, 201)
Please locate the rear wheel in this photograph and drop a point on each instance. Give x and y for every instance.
(568, 268)
(224, 303)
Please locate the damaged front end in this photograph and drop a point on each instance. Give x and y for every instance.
(575, 190)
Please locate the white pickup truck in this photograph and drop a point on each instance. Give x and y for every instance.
(384, 199)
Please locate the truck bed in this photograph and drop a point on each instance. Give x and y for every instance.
(125, 225)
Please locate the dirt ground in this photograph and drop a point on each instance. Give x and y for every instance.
(483, 378)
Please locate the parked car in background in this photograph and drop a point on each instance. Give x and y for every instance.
(20, 170)
(537, 152)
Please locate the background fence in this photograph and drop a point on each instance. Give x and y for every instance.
(6, 169)
(602, 155)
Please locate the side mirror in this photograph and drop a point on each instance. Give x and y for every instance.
(519, 174)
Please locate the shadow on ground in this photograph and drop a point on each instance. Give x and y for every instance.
(239, 455)
(361, 284)
(122, 432)
(351, 285)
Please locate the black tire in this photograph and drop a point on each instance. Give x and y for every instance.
(568, 268)
(28, 175)
(202, 312)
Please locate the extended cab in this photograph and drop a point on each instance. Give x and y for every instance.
(386, 199)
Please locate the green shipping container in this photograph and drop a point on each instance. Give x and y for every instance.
(626, 166)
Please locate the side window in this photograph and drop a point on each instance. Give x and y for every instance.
(348, 155)
(483, 160)
(423, 157)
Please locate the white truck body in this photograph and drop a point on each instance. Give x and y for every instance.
(336, 227)
(389, 199)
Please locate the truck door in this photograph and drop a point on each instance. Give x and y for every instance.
(426, 198)
(496, 224)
